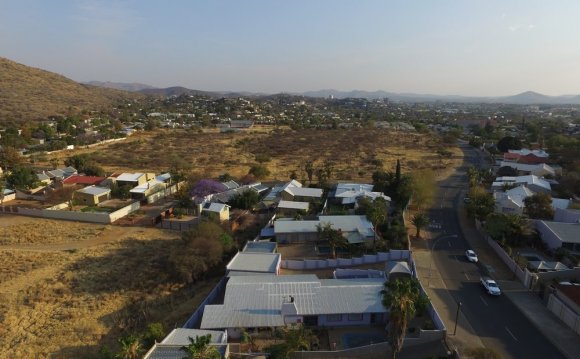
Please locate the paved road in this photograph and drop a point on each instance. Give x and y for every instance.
(495, 320)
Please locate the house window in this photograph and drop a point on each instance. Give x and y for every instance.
(334, 318)
(355, 317)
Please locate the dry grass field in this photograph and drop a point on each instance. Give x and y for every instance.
(67, 289)
(354, 152)
(67, 304)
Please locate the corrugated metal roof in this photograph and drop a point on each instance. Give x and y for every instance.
(305, 192)
(256, 301)
(129, 177)
(216, 207)
(255, 262)
(294, 205)
(260, 247)
(163, 177)
(180, 336)
(94, 190)
(566, 232)
(142, 188)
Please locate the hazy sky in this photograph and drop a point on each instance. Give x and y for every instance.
(487, 47)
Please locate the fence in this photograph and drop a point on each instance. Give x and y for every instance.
(346, 262)
(162, 194)
(562, 311)
(195, 319)
(178, 225)
(56, 212)
(523, 275)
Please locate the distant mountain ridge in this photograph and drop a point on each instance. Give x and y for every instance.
(524, 98)
(131, 87)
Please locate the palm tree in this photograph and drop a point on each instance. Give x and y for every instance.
(377, 213)
(399, 298)
(334, 237)
(420, 220)
(199, 348)
(130, 348)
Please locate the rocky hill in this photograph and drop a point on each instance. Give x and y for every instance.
(28, 94)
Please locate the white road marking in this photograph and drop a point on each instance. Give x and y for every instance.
(483, 300)
(449, 242)
(466, 276)
(512, 334)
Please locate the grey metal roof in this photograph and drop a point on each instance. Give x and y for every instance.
(180, 336)
(163, 351)
(294, 205)
(295, 226)
(260, 247)
(130, 177)
(94, 190)
(256, 301)
(566, 232)
(357, 224)
(305, 192)
(255, 262)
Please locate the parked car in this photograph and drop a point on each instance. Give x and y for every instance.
(490, 286)
(471, 256)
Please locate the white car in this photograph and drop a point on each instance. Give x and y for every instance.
(471, 256)
(490, 286)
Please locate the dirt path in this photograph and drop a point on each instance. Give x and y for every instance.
(111, 235)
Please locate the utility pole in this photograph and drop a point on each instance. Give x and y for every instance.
(459, 304)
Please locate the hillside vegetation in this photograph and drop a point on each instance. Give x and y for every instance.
(28, 93)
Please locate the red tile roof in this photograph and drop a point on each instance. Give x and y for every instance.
(88, 180)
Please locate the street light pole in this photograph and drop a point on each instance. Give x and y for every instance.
(459, 304)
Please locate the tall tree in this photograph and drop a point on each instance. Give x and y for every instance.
(130, 348)
(509, 143)
(398, 172)
(334, 237)
(539, 206)
(420, 221)
(200, 348)
(400, 297)
(309, 169)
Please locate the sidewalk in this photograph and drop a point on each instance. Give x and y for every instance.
(527, 302)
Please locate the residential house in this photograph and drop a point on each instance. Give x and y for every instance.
(260, 247)
(565, 304)
(534, 183)
(539, 170)
(543, 266)
(142, 191)
(171, 346)
(356, 229)
(269, 301)
(43, 178)
(133, 179)
(348, 194)
(512, 200)
(241, 124)
(7, 195)
(92, 195)
(560, 235)
(397, 270)
(293, 191)
(83, 180)
(567, 215)
(221, 210)
(254, 263)
(291, 208)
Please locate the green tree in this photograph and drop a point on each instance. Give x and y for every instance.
(420, 221)
(10, 158)
(328, 169)
(377, 211)
(399, 297)
(334, 237)
(22, 178)
(539, 206)
(509, 143)
(506, 228)
(130, 348)
(481, 203)
(296, 338)
(245, 200)
(154, 333)
(200, 348)
(259, 171)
